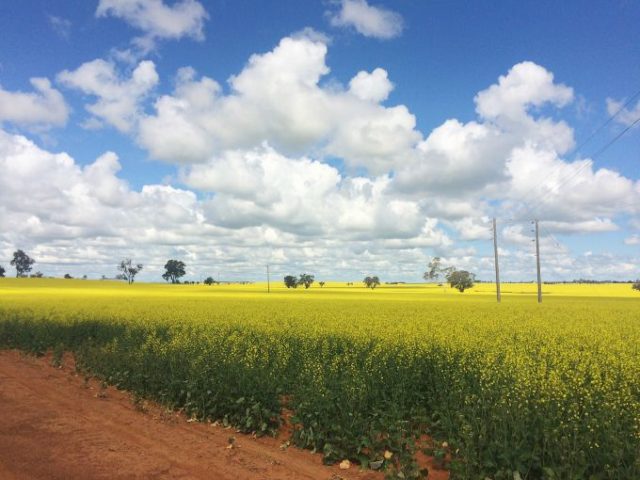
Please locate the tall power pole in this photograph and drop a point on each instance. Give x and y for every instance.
(268, 280)
(495, 257)
(538, 263)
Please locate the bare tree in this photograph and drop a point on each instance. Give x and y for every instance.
(129, 271)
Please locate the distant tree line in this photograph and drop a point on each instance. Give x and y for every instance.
(176, 269)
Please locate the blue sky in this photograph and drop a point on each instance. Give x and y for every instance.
(215, 192)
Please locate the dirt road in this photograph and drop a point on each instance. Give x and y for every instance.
(54, 425)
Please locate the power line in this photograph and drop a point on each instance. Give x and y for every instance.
(586, 164)
(541, 185)
(609, 120)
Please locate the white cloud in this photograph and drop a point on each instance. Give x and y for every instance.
(374, 86)
(277, 98)
(461, 159)
(43, 108)
(511, 154)
(562, 192)
(118, 98)
(84, 219)
(305, 197)
(632, 240)
(257, 164)
(157, 20)
(596, 225)
(61, 26)
(526, 85)
(473, 228)
(368, 20)
(625, 115)
(49, 199)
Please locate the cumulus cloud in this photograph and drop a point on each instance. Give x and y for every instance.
(43, 108)
(570, 196)
(69, 214)
(278, 98)
(526, 85)
(90, 217)
(368, 20)
(465, 158)
(374, 86)
(303, 197)
(118, 99)
(157, 20)
(511, 154)
(65, 200)
(258, 177)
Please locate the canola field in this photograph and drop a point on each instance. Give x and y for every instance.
(500, 391)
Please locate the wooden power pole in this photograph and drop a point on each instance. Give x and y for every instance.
(538, 262)
(495, 257)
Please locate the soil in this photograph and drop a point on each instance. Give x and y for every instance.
(54, 425)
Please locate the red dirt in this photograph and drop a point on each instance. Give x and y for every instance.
(55, 425)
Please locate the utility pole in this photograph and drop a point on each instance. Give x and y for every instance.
(538, 262)
(495, 257)
(268, 280)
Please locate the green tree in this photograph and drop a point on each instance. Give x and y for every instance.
(636, 285)
(306, 280)
(175, 269)
(321, 284)
(22, 262)
(67, 276)
(290, 281)
(371, 282)
(2, 270)
(461, 279)
(209, 281)
(128, 270)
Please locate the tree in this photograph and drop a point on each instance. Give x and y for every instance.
(321, 284)
(2, 270)
(371, 282)
(37, 275)
(22, 262)
(67, 276)
(460, 279)
(306, 280)
(635, 286)
(209, 281)
(436, 269)
(129, 271)
(174, 270)
(290, 281)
